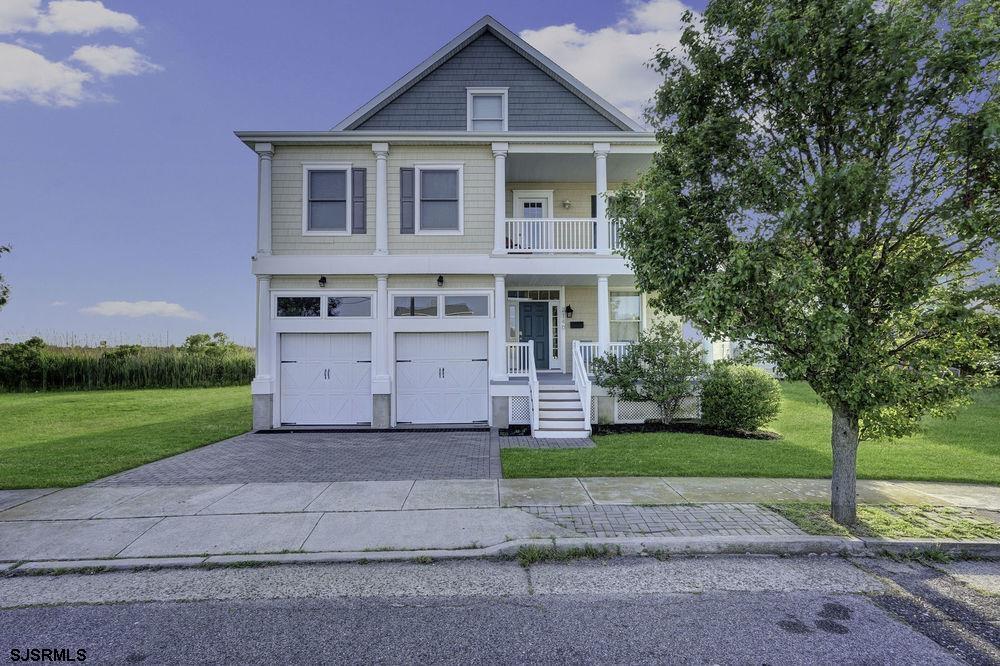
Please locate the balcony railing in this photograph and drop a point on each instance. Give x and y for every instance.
(557, 235)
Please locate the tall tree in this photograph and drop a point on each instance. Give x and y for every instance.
(828, 188)
(4, 287)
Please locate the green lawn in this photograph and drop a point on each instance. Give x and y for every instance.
(963, 449)
(65, 439)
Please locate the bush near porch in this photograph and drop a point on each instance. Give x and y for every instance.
(965, 449)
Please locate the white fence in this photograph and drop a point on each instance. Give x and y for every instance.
(517, 358)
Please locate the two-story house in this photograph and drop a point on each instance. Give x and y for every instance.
(442, 255)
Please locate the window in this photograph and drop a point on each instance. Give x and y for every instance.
(439, 198)
(486, 109)
(299, 306)
(349, 306)
(466, 306)
(325, 204)
(626, 309)
(415, 306)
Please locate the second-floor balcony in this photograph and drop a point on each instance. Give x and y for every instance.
(561, 235)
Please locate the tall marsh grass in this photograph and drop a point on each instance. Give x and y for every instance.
(26, 367)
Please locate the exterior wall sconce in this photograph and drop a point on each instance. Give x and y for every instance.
(440, 280)
(567, 204)
(322, 280)
(569, 312)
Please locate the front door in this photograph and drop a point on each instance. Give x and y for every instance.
(533, 320)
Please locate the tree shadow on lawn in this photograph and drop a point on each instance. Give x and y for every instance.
(71, 461)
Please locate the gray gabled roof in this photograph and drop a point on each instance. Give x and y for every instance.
(489, 24)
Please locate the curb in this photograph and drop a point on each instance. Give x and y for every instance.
(630, 546)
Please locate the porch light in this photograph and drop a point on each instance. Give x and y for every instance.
(440, 280)
(567, 204)
(569, 312)
(322, 280)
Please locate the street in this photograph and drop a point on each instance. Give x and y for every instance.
(626, 610)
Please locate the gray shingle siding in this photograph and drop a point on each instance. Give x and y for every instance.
(536, 102)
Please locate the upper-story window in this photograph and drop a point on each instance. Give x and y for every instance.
(486, 109)
(439, 199)
(326, 193)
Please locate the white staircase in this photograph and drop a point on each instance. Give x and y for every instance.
(560, 413)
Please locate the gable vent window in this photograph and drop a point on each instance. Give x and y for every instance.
(486, 109)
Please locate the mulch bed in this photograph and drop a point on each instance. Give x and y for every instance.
(696, 427)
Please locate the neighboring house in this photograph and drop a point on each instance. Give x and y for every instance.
(443, 255)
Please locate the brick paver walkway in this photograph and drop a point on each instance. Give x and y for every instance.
(324, 456)
(677, 520)
(529, 442)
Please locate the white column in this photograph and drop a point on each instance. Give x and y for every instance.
(601, 151)
(381, 151)
(265, 152)
(263, 382)
(381, 378)
(499, 364)
(500, 198)
(603, 315)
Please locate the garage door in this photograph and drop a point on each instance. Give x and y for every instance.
(326, 378)
(442, 378)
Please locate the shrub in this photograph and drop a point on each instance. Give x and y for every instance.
(739, 397)
(660, 367)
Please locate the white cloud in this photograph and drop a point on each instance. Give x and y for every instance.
(140, 309)
(58, 304)
(26, 75)
(113, 60)
(80, 17)
(611, 60)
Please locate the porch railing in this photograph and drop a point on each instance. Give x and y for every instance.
(582, 381)
(589, 351)
(533, 390)
(517, 358)
(556, 235)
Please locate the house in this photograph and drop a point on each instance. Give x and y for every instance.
(442, 255)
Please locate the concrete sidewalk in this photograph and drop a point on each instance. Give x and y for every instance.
(231, 520)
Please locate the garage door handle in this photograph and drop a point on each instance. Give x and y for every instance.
(362, 361)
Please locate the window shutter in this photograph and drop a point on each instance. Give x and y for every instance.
(406, 224)
(593, 205)
(359, 201)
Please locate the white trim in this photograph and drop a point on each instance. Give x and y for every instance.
(560, 323)
(472, 92)
(488, 22)
(430, 166)
(310, 293)
(326, 166)
(532, 194)
(440, 264)
(547, 141)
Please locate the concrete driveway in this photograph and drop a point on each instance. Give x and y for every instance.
(326, 457)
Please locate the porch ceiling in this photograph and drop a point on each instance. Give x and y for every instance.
(571, 168)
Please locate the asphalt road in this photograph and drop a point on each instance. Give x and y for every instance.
(698, 610)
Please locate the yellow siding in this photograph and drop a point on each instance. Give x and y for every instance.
(309, 282)
(450, 282)
(578, 194)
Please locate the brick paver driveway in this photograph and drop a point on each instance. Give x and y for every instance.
(324, 456)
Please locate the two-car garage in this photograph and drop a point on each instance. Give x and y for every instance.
(441, 377)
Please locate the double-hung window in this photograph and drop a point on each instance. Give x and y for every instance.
(626, 316)
(326, 199)
(439, 199)
(486, 109)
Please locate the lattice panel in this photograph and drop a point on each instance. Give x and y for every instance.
(640, 412)
(520, 409)
(593, 409)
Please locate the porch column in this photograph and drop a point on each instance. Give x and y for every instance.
(499, 365)
(500, 198)
(381, 151)
(265, 153)
(601, 151)
(381, 378)
(603, 315)
(263, 383)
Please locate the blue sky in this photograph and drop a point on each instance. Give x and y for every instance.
(130, 204)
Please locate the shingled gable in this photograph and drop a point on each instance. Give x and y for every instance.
(542, 96)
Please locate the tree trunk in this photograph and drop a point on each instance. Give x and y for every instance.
(843, 498)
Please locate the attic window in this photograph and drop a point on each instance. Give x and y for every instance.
(486, 109)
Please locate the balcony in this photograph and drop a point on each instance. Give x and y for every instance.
(561, 235)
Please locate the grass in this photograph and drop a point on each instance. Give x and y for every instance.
(534, 554)
(65, 439)
(965, 449)
(891, 521)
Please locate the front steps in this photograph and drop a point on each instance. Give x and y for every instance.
(560, 413)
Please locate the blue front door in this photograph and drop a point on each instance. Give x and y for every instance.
(533, 319)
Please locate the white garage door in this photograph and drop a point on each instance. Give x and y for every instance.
(326, 378)
(441, 378)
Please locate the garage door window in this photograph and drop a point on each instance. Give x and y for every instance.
(466, 306)
(299, 306)
(415, 306)
(349, 306)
